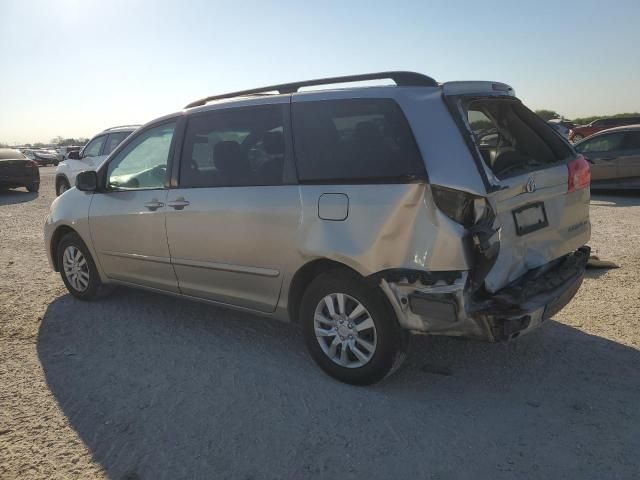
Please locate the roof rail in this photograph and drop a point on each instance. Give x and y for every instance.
(402, 79)
(120, 126)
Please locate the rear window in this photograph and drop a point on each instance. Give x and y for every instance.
(512, 139)
(354, 140)
(9, 154)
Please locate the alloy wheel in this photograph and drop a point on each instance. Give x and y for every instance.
(345, 330)
(76, 269)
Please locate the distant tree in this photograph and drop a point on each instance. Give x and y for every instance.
(548, 114)
(587, 120)
(63, 142)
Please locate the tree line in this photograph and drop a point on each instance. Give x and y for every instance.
(552, 115)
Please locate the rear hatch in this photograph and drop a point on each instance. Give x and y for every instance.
(537, 187)
(16, 168)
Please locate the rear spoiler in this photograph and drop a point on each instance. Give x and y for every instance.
(477, 87)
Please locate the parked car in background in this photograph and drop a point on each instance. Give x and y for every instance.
(90, 156)
(615, 157)
(16, 170)
(44, 157)
(64, 151)
(363, 214)
(560, 128)
(583, 131)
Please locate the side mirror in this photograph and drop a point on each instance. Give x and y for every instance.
(73, 155)
(87, 181)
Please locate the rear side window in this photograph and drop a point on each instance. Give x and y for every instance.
(632, 140)
(602, 143)
(354, 140)
(234, 147)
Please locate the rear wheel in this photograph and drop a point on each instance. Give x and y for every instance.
(78, 270)
(62, 185)
(34, 187)
(350, 329)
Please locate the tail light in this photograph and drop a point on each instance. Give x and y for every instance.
(579, 174)
(461, 207)
(33, 163)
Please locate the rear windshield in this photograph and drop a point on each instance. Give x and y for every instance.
(9, 154)
(354, 141)
(512, 139)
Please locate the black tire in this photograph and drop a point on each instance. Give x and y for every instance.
(33, 188)
(60, 183)
(391, 340)
(95, 288)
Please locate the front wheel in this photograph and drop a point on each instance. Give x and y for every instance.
(78, 270)
(350, 329)
(62, 186)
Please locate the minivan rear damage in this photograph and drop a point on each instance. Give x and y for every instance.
(525, 240)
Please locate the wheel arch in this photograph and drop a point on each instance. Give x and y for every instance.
(303, 278)
(60, 232)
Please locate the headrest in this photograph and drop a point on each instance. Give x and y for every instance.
(367, 132)
(273, 143)
(228, 157)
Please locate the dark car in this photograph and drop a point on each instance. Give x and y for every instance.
(583, 131)
(614, 155)
(16, 170)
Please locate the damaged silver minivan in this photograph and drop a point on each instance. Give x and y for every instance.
(364, 214)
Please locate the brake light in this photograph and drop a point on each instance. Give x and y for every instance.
(579, 174)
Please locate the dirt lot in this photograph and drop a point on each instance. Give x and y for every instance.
(142, 386)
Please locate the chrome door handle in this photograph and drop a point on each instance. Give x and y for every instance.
(154, 205)
(178, 203)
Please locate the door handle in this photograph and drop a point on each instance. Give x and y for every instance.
(154, 205)
(178, 203)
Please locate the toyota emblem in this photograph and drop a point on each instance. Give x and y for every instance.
(531, 185)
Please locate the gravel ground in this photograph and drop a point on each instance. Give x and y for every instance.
(142, 386)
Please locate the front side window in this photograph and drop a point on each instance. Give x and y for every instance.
(632, 140)
(234, 147)
(113, 141)
(143, 163)
(602, 143)
(354, 140)
(94, 147)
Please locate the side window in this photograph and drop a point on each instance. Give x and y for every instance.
(632, 140)
(354, 140)
(94, 147)
(143, 163)
(602, 143)
(234, 147)
(113, 140)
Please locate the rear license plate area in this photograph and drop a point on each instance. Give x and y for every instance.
(530, 218)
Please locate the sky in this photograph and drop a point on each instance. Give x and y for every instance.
(75, 67)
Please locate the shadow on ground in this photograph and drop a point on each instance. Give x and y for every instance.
(11, 197)
(162, 388)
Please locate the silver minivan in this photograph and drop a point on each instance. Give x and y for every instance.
(364, 214)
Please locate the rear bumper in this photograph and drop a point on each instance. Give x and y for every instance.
(20, 180)
(535, 297)
(522, 306)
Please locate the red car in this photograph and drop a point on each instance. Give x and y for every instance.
(583, 131)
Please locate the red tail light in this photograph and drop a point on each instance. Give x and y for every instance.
(579, 174)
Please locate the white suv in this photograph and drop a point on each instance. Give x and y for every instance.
(91, 156)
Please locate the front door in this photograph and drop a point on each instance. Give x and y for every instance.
(127, 220)
(629, 162)
(232, 223)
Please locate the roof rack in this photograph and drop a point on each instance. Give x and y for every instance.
(120, 126)
(402, 79)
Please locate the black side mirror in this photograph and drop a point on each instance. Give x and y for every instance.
(73, 155)
(87, 181)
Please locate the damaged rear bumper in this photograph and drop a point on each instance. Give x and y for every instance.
(447, 308)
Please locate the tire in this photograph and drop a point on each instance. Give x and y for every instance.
(33, 188)
(378, 329)
(86, 284)
(62, 185)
